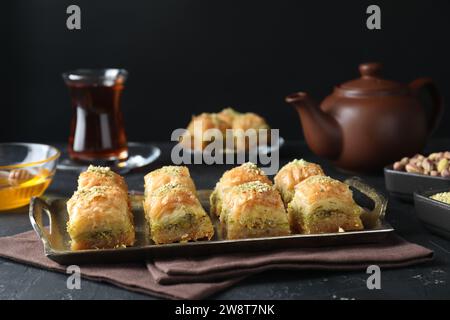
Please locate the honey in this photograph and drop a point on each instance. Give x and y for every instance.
(15, 195)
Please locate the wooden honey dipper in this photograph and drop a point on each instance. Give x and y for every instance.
(15, 177)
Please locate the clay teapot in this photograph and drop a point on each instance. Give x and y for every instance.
(369, 122)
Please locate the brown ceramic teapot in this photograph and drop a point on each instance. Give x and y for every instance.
(369, 122)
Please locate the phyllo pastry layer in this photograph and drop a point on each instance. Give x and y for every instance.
(175, 214)
(253, 210)
(292, 174)
(99, 217)
(168, 174)
(101, 176)
(322, 205)
(246, 172)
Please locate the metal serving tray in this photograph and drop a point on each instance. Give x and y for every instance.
(57, 242)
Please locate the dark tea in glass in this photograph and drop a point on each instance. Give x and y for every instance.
(97, 130)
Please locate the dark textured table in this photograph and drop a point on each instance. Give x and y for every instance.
(430, 280)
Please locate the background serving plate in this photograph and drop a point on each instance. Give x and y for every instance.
(264, 149)
(139, 155)
(403, 184)
(57, 242)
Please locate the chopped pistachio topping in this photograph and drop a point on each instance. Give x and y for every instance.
(101, 170)
(300, 162)
(256, 186)
(175, 170)
(321, 179)
(89, 193)
(443, 197)
(250, 166)
(168, 187)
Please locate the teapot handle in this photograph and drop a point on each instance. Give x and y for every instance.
(427, 86)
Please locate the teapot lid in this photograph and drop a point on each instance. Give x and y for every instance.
(371, 82)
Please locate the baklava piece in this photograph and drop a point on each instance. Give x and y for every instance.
(228, 115)
(292, 174)
(196, 138)
(175, 214)
(323, 205)
(99, 218)
(244, 122)
(168, 174)
(99, 211)
(246, 172)
(253, 210)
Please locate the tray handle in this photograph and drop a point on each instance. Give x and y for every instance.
(39, 206)
(370, 219)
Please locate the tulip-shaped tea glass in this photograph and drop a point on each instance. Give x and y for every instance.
(97, 131)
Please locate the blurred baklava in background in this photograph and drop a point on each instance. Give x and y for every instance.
(230, 124)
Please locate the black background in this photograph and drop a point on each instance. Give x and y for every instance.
(189, 56)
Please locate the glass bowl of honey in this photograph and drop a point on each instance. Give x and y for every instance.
(26, 170)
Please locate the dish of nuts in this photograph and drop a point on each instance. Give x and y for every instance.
(442, 197)
(436, 164)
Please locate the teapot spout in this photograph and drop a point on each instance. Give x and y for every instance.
(322, 132)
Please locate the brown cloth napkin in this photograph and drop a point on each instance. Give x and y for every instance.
(200, 277)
